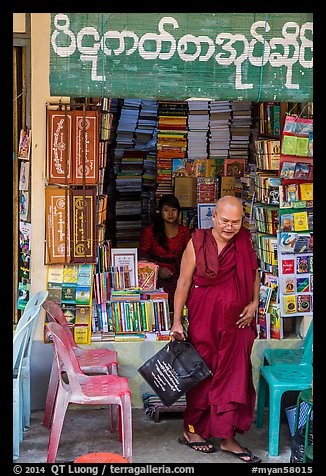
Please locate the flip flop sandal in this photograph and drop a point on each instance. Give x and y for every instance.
(247, 454)
(198, 444)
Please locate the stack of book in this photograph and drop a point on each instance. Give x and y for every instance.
(240, 129)
(219, 129)
(171, 141)
(197, 129)
(125, 134)
(146, 125)
(128, 198)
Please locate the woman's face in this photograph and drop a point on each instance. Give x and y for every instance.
(169, 214)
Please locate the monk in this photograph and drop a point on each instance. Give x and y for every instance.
(219, 282)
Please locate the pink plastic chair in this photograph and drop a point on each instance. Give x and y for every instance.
(85, 389)
(91, 361)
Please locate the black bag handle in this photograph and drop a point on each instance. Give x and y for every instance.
(181, 345)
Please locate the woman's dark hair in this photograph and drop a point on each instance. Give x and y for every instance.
(158, 226)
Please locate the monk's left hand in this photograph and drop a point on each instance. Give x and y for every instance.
(247, 315)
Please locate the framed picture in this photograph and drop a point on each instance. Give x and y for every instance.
(126, 256)
(205, 214)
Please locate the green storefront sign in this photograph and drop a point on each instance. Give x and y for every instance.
(245, 56)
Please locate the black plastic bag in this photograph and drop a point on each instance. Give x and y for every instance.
(174, 370)
(297, 445)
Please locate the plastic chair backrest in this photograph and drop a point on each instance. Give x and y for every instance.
(309, 333)
(65, 356)
(37, 300)
(55, 314)
(307, 353)
(34, 303)
(22, 338)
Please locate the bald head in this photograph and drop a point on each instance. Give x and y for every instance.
(229, 202)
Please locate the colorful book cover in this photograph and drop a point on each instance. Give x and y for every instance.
(55, 292)
(68, 294)
(302, 243)
(81, 334)
(287, 222)
(147, 275)
(304, 303)
(85, 275)
(83, 315)
(288, 266)
(287, 241)
(69, 312)
(70, 274)
(289, 144)
(24, 147)
(234, 167)
(303, 284)
(302, 146)
(276, 322)
(289, 304)
(306, 191)
(302, 264)
(302, 171)
(83, 295)
(300, 221)
(265, 293)
(287, 170)
(288, 284)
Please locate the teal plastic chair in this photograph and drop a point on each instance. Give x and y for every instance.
(288, 356)
(34, 303)
(278, 379)
(21, 342)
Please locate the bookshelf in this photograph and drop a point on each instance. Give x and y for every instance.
(279, 211)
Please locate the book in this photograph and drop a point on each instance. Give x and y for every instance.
(128, 257)
(302, 264)
(300, 220)
(302, 170)
(287, 170)
(72, 148)
(205, 215)
(288, 284)
(234, 167)
(303, 284)
(265, 293)
(147, 275)
(286, 222)
(306, 191)
(289, 304)
(304, 303)
(276, 323)
(70, 274)
(23, 176)
(23, 205)
(24, 146)
(83, 295)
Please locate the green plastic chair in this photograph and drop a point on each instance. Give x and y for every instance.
(306, 397)
(288, 356)
(281, 378)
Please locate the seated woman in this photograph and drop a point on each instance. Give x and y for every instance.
(164, 242)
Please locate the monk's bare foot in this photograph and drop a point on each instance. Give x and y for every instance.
(231, 445)
(195, 438)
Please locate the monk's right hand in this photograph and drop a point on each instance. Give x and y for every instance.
(177, 333)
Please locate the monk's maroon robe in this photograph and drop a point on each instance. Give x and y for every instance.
(222, 286)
